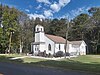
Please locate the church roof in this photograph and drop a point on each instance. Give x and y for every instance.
(59, 39)
(56, 39)
(76, 42)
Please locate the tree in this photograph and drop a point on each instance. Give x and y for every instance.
(78, 27)
(9, 21)
(58, 27)
(94, 25)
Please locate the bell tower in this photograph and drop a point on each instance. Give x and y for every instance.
(39, 33)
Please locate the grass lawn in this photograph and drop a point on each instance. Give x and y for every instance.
(90, 63)
(6, 58)
(11, 55)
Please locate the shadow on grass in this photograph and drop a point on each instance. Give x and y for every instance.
(70, 64)
(63, 64)
(8, 59)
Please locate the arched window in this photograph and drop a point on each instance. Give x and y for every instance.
(49, 47)
(59, 46)
(41, 29)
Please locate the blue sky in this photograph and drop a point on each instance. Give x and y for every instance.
(52, 8)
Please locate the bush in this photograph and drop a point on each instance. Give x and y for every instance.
(59, 54)
(67, 54)
(43, 54)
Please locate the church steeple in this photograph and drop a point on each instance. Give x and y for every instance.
(39, 28)
(39, 34)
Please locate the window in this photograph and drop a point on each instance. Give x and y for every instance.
(59, 46)
(35, 49)
(41, 29)
(49, 47)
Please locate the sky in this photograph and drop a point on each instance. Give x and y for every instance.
(52, 8)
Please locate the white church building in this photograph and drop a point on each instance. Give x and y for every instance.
(51, 44)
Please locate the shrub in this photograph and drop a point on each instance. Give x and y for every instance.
(67, 54)
(43, 54)
(59, 54)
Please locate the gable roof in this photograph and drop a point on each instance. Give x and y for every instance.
(76, 44)
(56, 39)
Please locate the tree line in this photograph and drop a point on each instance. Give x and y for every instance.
(17, 29)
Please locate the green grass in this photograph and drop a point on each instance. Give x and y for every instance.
(90, 63)
(32, 60)
(7, 57)
(11, 55)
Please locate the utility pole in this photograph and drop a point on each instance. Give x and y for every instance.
(66, 43)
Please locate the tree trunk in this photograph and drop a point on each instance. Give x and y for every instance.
(21, 46)
(9, 50)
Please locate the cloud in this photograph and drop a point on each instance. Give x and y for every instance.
(78, 11)
(57, 6)
(38, 7)
(88, 8)
(27, 10)
(73, 13)
(35, 16)
(63, 2)
(48, 13)
(63, 16)
(50, 8)
(30, 6)
(44, 1)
